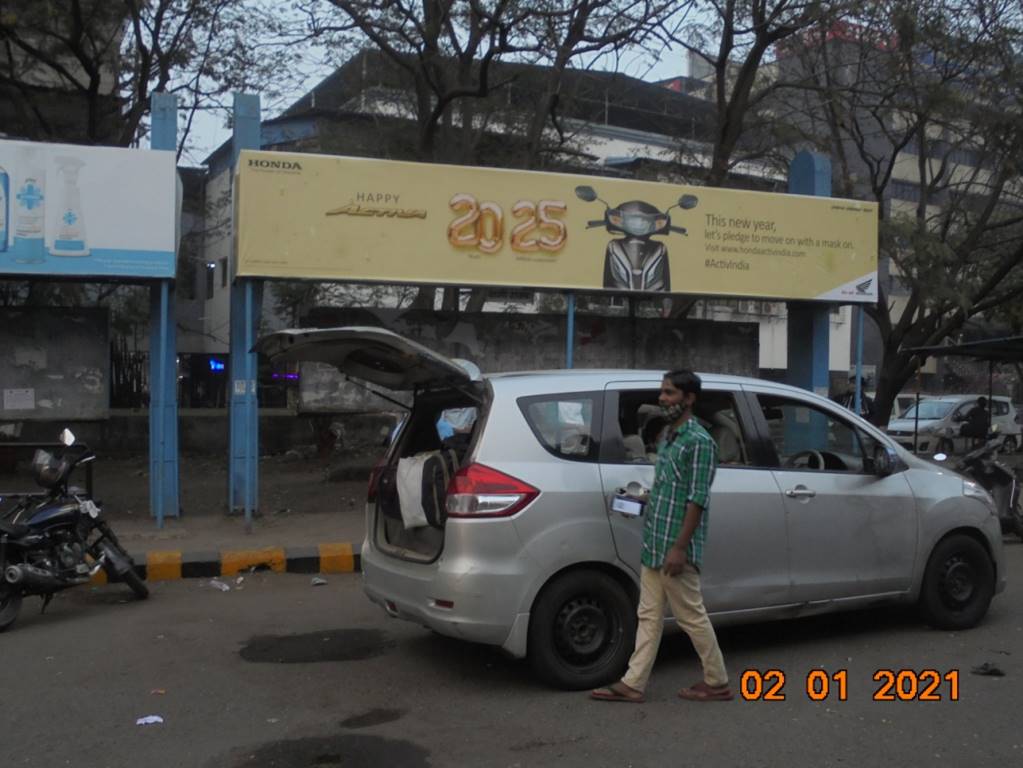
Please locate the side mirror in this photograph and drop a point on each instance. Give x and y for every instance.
(67, 437)
(686, 201)
(885, 461)
(586, 193)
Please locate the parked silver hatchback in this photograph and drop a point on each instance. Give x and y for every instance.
(490, 517)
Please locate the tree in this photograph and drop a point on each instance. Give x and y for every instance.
(732, 40)
(919, 104)
(107, 57)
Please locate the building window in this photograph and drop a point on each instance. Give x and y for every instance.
(211, 271)
(223, 272)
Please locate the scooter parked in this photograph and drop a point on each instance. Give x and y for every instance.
(983, 466)
(635, 262)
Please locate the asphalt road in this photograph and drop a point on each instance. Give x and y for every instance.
(286, 675)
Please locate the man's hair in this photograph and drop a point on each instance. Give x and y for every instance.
(685, 380)
(981, 401)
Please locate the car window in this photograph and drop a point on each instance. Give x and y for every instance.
(929, 409)
(1000, 408)
(641, 425)
(563, 424)
(806, 437)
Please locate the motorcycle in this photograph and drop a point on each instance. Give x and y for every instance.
(983, 467)
(58, 539)
(635, 262)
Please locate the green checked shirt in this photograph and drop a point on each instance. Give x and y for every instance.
(686, 461)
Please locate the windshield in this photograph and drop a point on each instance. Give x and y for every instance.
(929, 409)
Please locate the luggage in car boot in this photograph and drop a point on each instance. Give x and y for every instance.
(422, 484)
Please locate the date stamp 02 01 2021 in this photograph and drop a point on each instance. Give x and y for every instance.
(822, 685)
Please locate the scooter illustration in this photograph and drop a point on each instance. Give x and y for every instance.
(635, 262)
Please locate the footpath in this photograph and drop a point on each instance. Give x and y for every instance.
(307, 523)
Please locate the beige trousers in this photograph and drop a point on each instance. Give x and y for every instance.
(683, 595)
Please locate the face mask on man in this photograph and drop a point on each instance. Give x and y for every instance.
(673, 412)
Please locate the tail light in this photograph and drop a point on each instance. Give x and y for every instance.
(374, 480)
(480, 491)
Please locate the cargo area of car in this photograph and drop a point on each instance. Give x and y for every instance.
(433, 443)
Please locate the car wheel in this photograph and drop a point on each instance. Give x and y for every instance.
(1017, 518)
(581, 631)
(946, 446)
(959, 583)
(1009, 445)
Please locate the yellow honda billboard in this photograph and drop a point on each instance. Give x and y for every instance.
(352, 219)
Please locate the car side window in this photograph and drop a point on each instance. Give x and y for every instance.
(810, 438)
(1000, 408)
(564, 424)
(642, 425)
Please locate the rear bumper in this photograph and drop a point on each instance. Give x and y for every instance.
(484, 597)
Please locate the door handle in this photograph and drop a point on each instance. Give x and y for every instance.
(800, 492)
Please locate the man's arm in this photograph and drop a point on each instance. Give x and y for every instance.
(675, 561)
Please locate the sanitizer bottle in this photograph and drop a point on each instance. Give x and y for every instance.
(30, 209)
(70, 240)
(5, 191)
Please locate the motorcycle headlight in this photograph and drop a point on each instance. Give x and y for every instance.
(975, 491)
(638, 225)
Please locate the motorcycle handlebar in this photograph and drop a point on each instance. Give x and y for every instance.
(595, 224)
(680, 230)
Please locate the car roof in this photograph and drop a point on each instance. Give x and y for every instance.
(957, 398)
(580, 379)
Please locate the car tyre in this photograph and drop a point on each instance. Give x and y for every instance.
(946, 446)
(958, 584)
(582, 631)
(1009, 444)
(1017, 518)
(10, 605)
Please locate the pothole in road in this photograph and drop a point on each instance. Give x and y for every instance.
(372, 717)
(312, 647)
(349, 751)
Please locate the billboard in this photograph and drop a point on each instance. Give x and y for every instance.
(352, 219)
(86, 211)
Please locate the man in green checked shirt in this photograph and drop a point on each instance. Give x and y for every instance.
(674, 534)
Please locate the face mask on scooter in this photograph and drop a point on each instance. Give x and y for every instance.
(673, 412)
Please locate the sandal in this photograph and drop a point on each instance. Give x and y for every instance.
(702, 692)
(618, 692)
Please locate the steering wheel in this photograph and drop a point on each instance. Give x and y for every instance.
(793, 460)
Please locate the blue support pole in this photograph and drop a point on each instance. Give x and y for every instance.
(570, 333)
(808, 322)
(246, 303)
(859, 359)
(163, 370)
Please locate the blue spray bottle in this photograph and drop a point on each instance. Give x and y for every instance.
(30, 206)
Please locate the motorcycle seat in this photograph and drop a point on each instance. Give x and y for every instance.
(8, 528)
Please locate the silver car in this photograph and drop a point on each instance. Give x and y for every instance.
(490, 518)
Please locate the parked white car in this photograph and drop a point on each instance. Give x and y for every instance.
(941, 419)
(812, 508)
